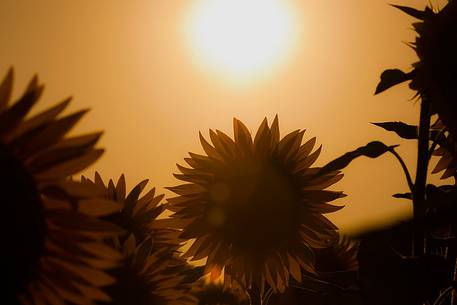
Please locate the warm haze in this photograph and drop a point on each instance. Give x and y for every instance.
(136, 65)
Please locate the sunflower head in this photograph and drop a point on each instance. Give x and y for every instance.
(340, 256)
(139, 212)
(436, 47)
(434, 76)
(447, 152)
(26, 226)
(146, 277)
(254, 205)
(52, 226)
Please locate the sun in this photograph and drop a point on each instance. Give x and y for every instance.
(241, 38)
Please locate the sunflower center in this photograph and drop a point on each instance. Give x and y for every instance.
(254, 205)
(24, 223)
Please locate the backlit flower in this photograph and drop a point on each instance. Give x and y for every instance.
(254, 206)
(53, 252)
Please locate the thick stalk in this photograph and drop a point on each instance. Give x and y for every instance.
(421, 176)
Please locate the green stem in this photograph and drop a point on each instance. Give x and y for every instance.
(421, 175)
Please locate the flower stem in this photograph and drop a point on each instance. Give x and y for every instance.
(421, 175)
(405, 169)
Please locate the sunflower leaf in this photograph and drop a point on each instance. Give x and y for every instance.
(403, 196)
(411, 11)
(372, 150)
(390, 78)
(404, 130)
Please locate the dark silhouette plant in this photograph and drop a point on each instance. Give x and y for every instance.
(53, 252)
(255, 207)
(152, 271)
(414, 262)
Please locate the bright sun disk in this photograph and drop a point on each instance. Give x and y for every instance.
(241, 38)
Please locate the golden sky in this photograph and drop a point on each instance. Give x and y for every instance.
(131, 63)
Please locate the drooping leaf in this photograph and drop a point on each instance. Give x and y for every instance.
(410, 132)
(390, 78)
(404, 130)
(372, 150)
(411, 11)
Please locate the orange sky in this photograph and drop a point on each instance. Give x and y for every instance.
(130, 63)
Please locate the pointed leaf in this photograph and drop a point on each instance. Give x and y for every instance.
(372, 150)
(404, 130)
(403, 196)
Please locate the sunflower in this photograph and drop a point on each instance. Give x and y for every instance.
(340, 256)
(53, 253)
(138, 215)
(254, 206)
(152, 272)
(447, 151)
(434, 75)
(146, 278)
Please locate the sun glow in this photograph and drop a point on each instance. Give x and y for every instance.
(242, 38)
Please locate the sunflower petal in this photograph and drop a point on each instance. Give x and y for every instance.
(274, 130)
(209, 149)
(41, 119)
(9, 119)
(71, 167)
(243, 138)
(99, 207)
(120, 188)
(6, 89)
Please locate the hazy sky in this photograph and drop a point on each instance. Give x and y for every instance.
(130, 63)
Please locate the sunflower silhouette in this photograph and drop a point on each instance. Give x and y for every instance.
(54, 254)
(152, 272)
(146, 278)
(254, 206)
(447, 153)
(434, 75)
(340, 256)
(139, 213)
